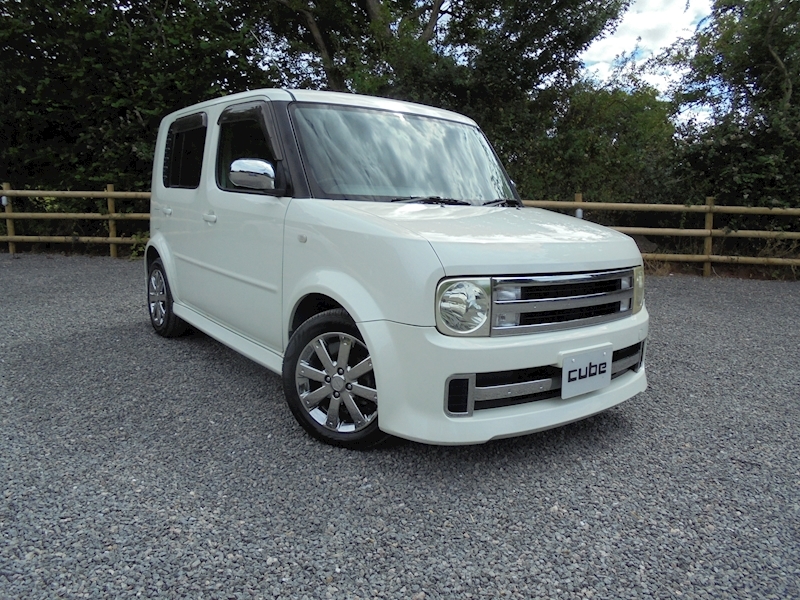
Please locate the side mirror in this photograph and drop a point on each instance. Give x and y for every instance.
(252, 173)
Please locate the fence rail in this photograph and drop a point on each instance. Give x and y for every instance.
(112, 216)
(708, 232)
(709, 209)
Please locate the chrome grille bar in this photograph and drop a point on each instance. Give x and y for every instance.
(546, 304)
(539, 303)
(568, 278)
(513, 390)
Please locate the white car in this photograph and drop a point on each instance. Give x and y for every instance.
(376, 254)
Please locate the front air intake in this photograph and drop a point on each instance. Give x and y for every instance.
(458, 396)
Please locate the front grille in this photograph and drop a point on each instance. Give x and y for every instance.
(553, 302)
(557, 290)
(481, 391)
(571, 314)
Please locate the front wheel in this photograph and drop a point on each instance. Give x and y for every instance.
(329, 382)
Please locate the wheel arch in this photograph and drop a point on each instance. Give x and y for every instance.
(160, 298)
(310, 305)
(326, 290)
(151, 254)
(157, 248)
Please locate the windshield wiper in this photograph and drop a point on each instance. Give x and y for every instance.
(501, 202)
(431, 200)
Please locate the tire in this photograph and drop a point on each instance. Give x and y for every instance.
(159, 303)
(329, 382)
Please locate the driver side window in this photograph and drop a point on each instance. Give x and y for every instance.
(240, 139)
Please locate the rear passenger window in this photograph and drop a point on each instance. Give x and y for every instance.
(183, 157)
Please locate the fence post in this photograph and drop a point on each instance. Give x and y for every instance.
(579, 211)
(708, 245)
(12, 246)
(112, 224)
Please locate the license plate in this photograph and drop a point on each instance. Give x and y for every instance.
(586, 370)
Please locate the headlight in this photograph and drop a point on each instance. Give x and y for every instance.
(638, 289)
(463, 307)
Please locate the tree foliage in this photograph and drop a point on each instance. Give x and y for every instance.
(85, 83)
(502, 62)
(501, 47)
(611, 144)
(743, 76)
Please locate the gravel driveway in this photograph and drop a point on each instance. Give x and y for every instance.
(134, 466)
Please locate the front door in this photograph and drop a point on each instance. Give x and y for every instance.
(238, 248)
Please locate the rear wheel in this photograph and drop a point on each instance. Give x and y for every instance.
(329, 382)
(159, 302)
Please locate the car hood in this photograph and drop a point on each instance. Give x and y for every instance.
(472, 240)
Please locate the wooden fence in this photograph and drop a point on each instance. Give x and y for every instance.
(112, 216)
(709, 209)
(708, 232)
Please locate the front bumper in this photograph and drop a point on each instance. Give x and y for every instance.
(413, 365)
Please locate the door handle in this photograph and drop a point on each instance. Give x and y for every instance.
(166, 210)
(210, 218)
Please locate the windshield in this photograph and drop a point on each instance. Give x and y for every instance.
(367, 154)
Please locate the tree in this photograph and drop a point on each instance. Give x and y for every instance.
(612, 144)
(495, 60)
(347, 45)
(85, 84)
(742, 77)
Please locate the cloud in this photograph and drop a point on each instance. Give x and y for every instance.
(654, 25)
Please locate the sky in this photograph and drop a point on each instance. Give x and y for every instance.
(658, 23)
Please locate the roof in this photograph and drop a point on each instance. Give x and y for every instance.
(340, 98)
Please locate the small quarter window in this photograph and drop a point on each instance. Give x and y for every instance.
(183, 157)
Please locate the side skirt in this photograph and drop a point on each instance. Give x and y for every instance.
(244, 346)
